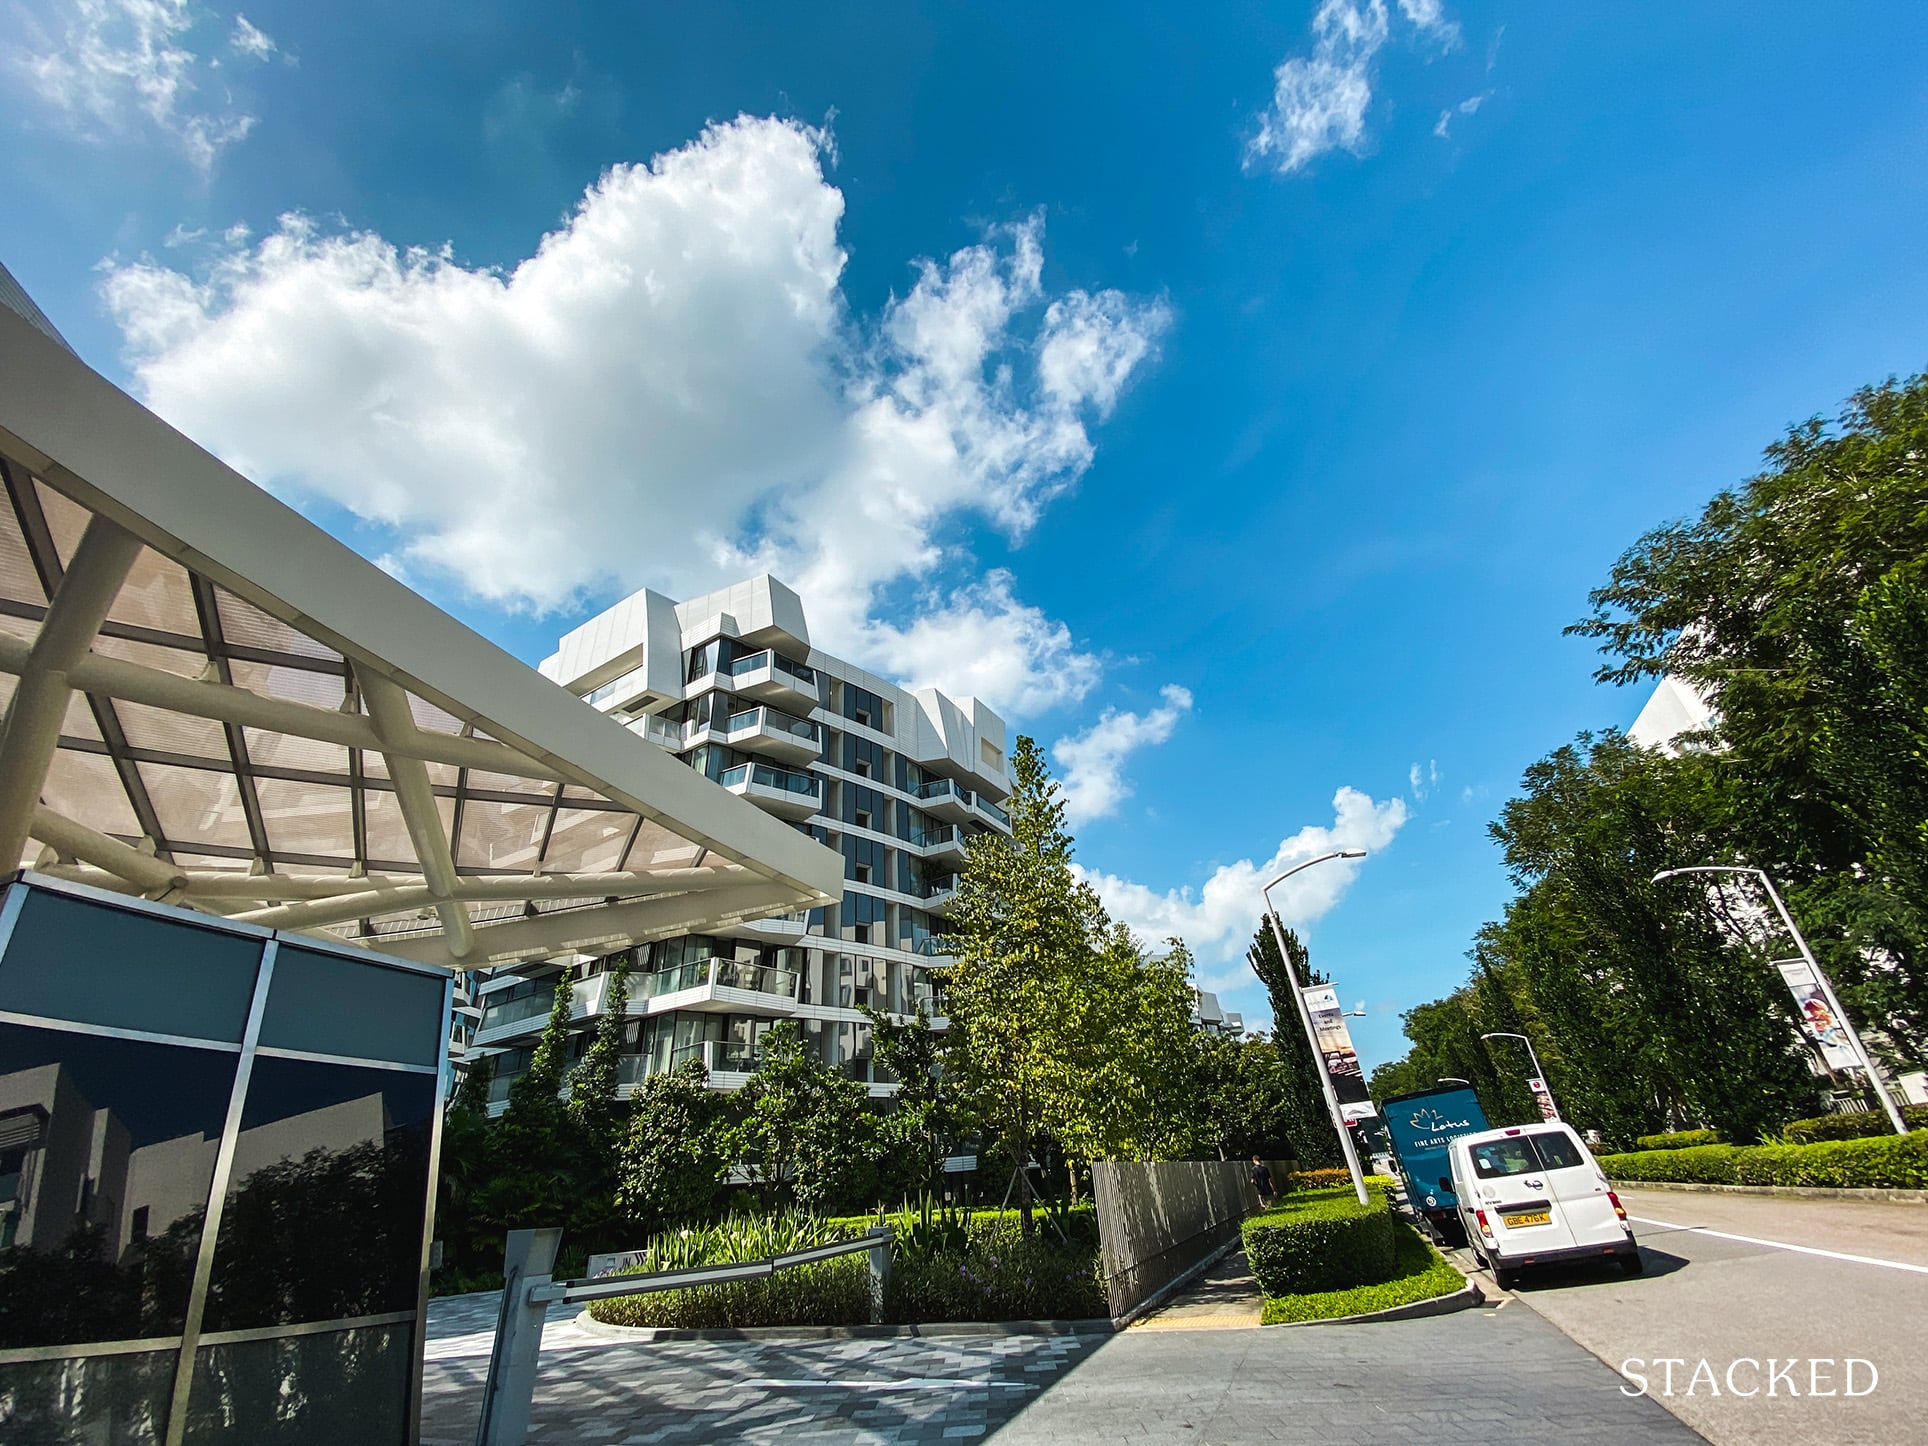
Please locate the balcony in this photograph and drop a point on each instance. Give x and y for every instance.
(995, 813)
(715, 986)
(946, 799)
(772, 732)
(778, 790)
(935, 952)
(769, 677)
(945, 843)
(660, 731)
(940, 895)
(620, 692)
(777, 929)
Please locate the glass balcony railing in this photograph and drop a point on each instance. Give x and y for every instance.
(757, 978)
(776, 721)
(937, 836)
(931, 888)
(729, 973)
(936, 790)
(732, 1055)
(751, 662)
(514, 1011)
(635, 681)
(804, 784)
(932, 946)
(993, 810)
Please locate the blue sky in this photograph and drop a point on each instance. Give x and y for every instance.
(1243, 406)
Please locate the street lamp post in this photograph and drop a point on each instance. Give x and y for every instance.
(1305, 1016)
(1538, 1073)
(1827, 989)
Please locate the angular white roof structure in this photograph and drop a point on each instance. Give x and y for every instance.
(211, 701)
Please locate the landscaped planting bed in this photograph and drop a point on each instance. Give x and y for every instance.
(1892, 1162)
(1419, 1273)
(830, 1292)
(1320, 1240)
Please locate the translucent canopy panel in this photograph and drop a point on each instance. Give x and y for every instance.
(208, 700)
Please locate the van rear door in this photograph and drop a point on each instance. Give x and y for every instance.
(1517, 1193)
(1577, 1186)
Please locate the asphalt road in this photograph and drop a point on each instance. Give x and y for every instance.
(1783, 1292)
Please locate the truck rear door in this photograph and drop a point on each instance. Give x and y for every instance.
(1518, 1196)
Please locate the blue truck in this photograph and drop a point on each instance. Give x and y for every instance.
(1421, 1125)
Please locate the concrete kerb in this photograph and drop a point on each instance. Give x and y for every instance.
(1788, 1192)
(1099, 1326)
(1465, 1298)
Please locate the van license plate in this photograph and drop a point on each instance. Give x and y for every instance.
(1538, 1217)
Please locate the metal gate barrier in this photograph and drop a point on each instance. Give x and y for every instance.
(528, 1292)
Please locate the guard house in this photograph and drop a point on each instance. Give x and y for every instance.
(269, 808)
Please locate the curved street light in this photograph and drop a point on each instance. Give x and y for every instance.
(1305, 1015)
(1538, 1073)
(1827, 989)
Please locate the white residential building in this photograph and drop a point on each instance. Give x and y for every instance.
(896, 781)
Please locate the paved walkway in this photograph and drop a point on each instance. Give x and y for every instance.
(1225, 1297)
(1485, 1377)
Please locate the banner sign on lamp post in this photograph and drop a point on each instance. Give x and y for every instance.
(1336, 1051)
(1818, 1023)
(1545, 1097)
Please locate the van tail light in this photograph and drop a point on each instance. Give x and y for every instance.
(1618, 1208)
(1479, 1218)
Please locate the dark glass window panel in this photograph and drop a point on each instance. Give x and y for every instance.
(315, 1390)
(120, 1127)
(324, 1004)
(1556, 1150)
(96, 1401)
(91, 963)
(326, 1201)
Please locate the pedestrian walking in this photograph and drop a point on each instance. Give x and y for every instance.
(1262, 1181)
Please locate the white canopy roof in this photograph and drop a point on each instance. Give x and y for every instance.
(211, 701)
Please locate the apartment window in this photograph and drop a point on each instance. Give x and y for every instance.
(863, 873)
(861, 819)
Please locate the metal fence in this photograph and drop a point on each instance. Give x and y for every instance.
(528, 1292)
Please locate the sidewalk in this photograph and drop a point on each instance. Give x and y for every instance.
(1225, 1297)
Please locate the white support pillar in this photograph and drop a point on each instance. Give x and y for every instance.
(388, 707)
(87, 590)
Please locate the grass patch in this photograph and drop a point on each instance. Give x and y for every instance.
(1419, 1273)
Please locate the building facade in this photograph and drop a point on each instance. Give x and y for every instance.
(896, 781)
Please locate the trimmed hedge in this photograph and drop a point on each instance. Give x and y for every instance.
(1896, 1162)
(1863, 1125)
(1678, 1140)
(1322, 1240)
(1299, 1181)
(1419, 1273)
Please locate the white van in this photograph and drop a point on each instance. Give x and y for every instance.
(1533, 1195)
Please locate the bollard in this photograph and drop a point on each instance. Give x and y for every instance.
(879, 1270)
(527, 1260)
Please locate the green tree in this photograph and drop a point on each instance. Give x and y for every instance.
(1316, 1145)
(1796, 604)
(1252, 1103)
(922, 1123)
(593, 1082)
(803, 1127)
(1024, 932)
(677, 1151)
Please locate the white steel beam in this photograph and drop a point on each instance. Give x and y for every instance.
(91, 581)
(395, 723)
(225, 703)
(126, 866)
(371, 903)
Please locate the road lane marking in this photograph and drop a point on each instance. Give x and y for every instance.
(1783, 1245)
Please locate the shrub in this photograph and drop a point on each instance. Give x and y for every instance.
(1678, 1140)
(1893, 1162)
(1321, 1240)
(1316, 1179)
(1865, 1124)
(1419, 1273)
(978, 1266)
(828, 1292)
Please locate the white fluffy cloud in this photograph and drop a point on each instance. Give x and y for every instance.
(108, 67)
(1094, 760)
(1319, 101)
(671, 391)
(1217, 918)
